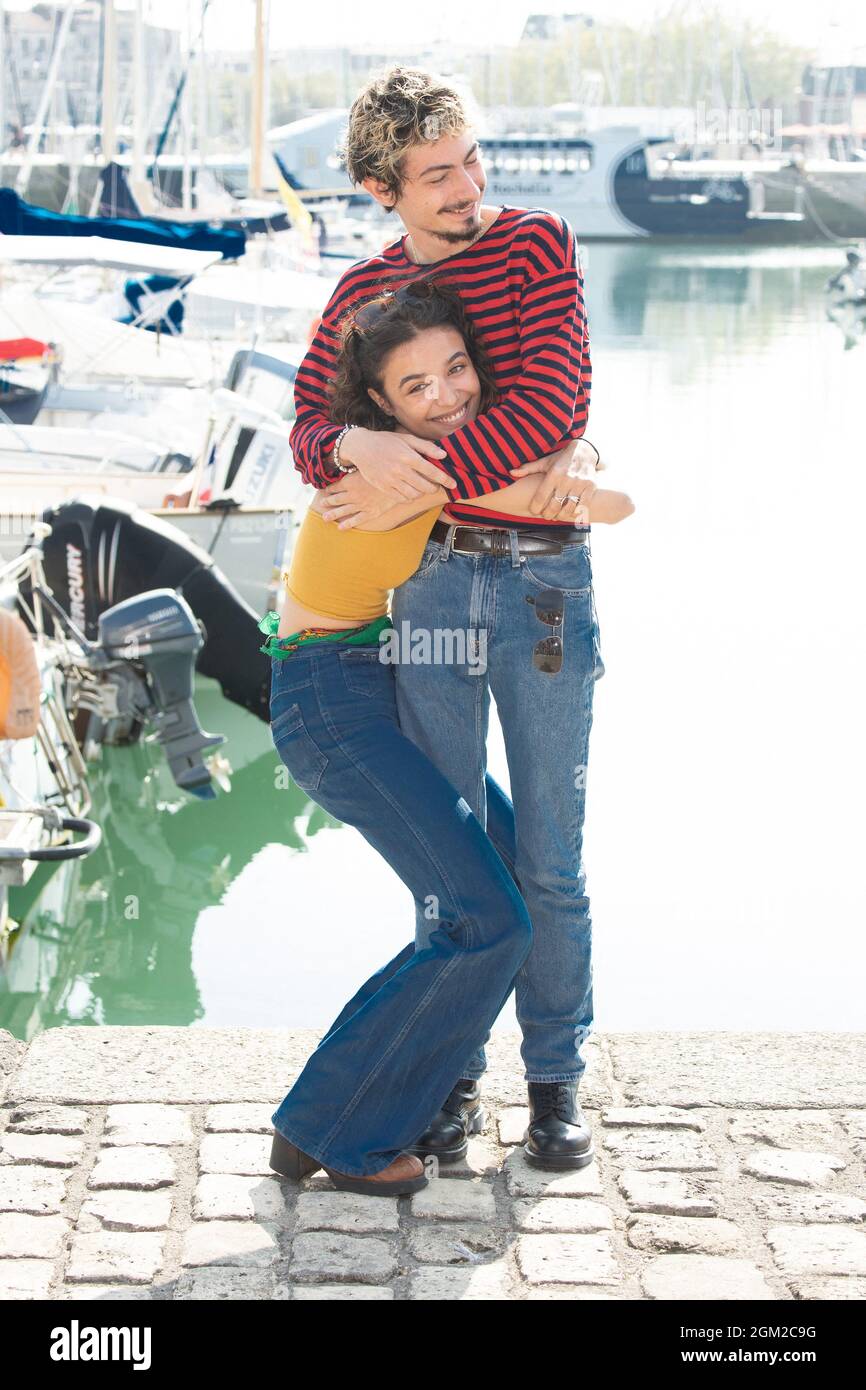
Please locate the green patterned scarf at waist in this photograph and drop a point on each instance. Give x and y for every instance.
(281, 647)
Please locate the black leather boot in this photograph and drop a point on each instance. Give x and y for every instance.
(448, 1135)
(557, 1135)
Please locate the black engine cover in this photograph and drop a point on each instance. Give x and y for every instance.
(100, 552)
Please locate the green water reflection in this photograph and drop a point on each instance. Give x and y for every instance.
(721, 765)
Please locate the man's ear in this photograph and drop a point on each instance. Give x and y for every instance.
(383, 195)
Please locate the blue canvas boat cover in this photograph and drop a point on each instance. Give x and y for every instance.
(18, 218)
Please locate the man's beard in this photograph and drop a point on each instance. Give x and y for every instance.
(453, 237)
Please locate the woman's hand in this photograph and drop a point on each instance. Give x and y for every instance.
(352, 501)
(397, 464)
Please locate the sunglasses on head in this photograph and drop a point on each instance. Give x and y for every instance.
(372, 313)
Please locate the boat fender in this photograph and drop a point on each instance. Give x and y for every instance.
(20, 686)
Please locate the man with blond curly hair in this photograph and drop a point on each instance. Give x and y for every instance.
(409, 143)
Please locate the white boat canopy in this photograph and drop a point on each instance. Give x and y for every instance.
(96, 348)
(104, 251)
(279, 290)
(30, 446)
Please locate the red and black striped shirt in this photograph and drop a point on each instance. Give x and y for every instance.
(522, 285)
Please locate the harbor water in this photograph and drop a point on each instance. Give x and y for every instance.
(723, 839)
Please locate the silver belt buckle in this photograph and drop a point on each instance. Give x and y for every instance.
(459, 548)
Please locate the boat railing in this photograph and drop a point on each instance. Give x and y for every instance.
(25, 576)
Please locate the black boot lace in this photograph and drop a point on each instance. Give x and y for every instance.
(551, 1096)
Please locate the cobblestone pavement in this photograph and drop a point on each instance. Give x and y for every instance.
(134, 1165)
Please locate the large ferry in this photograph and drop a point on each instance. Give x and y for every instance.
(617, 184)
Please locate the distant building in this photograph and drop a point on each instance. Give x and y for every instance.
(353, 66)
(834, 96)
(554, 26)
(30, 38)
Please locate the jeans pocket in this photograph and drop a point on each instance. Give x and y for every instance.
(364, 674)
(569, 571)
(297, 749)
(290, 672)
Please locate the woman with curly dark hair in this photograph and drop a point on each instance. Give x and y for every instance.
(409, 361)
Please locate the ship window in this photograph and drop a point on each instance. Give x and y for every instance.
(559, 164)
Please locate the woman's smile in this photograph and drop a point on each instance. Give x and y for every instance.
(455, 416)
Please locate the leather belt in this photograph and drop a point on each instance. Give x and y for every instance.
(494, 540)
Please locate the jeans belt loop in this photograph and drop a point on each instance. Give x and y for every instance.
(516, 557)
(449, 542)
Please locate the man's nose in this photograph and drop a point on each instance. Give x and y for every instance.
(469, 186)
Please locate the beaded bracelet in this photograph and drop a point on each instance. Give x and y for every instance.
(342, 467)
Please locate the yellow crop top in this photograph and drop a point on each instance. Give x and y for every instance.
(350, 574)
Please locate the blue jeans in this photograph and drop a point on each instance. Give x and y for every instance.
(391, 1057)
(546, 721)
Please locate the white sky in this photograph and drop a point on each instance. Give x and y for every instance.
(839, 24)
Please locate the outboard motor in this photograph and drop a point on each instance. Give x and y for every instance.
(157, 633)
(139, 672)
(101, 552)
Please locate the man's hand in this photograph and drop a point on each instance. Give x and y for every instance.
(398, 465)
(580, 452)
(352, 501)
(564, 475)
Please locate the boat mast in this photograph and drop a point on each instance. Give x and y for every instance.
(186, 197)
(2, 75)
(202, 118)
(138, 129)
(257, 122)
(45, 100)
(109, 83)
